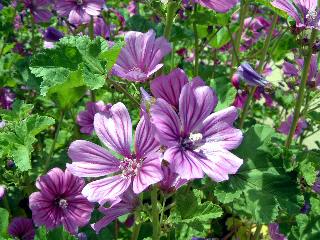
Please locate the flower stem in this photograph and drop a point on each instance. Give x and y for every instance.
(259, 70)
(54, 140)
(171, 12)
(155, 214)
(196, 44)
(91, 34)
(302, 87)
(257, 232)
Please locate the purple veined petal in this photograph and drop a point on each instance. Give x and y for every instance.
(166, 123)
(106, 188)
(218, 5)
(111, 214)
(145, 141)
(91, 160)
(93, 8)
(306, 5)
(313, 67)
(115, 131)
(21, 228)
(197, 82)
(42, 15)
(218, 129)
(184, 162)
(195, 104)
(288, 7)
(169, 87)
(149, 173)
(78, 16)
(289, 69)
(218, 163)
(47, 183)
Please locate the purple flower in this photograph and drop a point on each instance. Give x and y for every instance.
(52, 35)
(122, 205)
(250, 76)
(141, 56)
(304, 12)
(132, 7)
(21, 228)
(218, 5)
(6, 98)
(85, 118)
(79, 11)
(135, 171)
(286, 125)
(59, 201)
(82, 236)
(101, 28)
(39, 10)
(2, 191)
(197, 141)
(2, 124)
(275, 233)
(316, 185)
(171, 181)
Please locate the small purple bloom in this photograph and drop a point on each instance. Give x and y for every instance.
(306, 208)
(2, 191)
(39, 10)
(286, 125)
(250, 76)
(218, 5)
(59, 201)
(6, 98)
(79, 11)
(52, 35)
(275, 233)
(135, 171)
(304, 12)
(141, 56)
(2, 124)
(197, 140)
(85, 118)
(101, 28)
(82, 236)
(171, 181)
(21, 228)
(122, 205)
(132, 7)
(316, 185)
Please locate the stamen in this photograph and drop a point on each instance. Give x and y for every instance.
(130, 167)
(79, 2)
(63, 203)
(312, 15)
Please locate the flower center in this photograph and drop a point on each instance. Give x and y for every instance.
(195, 137)
(79, 2)
(63, 203)
(136, 69)
(130, 167)
(194, 140)
(312, 15)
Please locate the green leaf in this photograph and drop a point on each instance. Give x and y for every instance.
(36, 123)
(92, 80)
(225, 91)
(4, 222)
(267, 3)
(59, 233)
(21, 157)
(41, 233)
(308, 228)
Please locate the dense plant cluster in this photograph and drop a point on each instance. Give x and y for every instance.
(149, 119)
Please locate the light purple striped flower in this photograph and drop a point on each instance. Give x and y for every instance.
(136, 170)
(218, 5)
(304, 12)
(141, 57)
(60, 202)
(274, 232)
(197, 140)
(85, 118)
(79, 11)
(21, 228)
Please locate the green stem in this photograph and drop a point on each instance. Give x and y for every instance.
(259, 70)
(33, 42)
(162, 209)
(6, 202)
(196, 44)
(155, 214)
(54, 140)
(257, 232)
(303, 83)
(171, 12)
(233, 46)
(91, 34)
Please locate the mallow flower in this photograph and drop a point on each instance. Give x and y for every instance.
(60, 202)
(122, 205)
(6, 98)
(274, 232)
(304, 12)
(21, 228)
(134, 170)
(39, 10)
(218, 5)
(197, 141)
(2, 191)
(171, 181)
(250, 76)
(79, 11)
(286, 125)
(316, 185)
(141, 57)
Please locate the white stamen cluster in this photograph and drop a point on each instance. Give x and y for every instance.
(63, 203)
(195, 137)
(79, 2)
(312, 15)
(130, 167)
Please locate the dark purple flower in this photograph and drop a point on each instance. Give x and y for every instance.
(275, 233)
(241, 98)
(2, 191)
(101, 28)
(132, 7)
(82, 236)
(85, 118)
(171, 181)
(60, 202)
(306, 208)
(316, 185)
(218, 5)
(286, 125)
(21, 228)
(6, 98)
(39, 10)
(52, 35)
(122, 205)
(141, 56)
(304, 12)
(121, 18)
(136, 170)
(197, 140)
(250, 76)
(79, 11)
